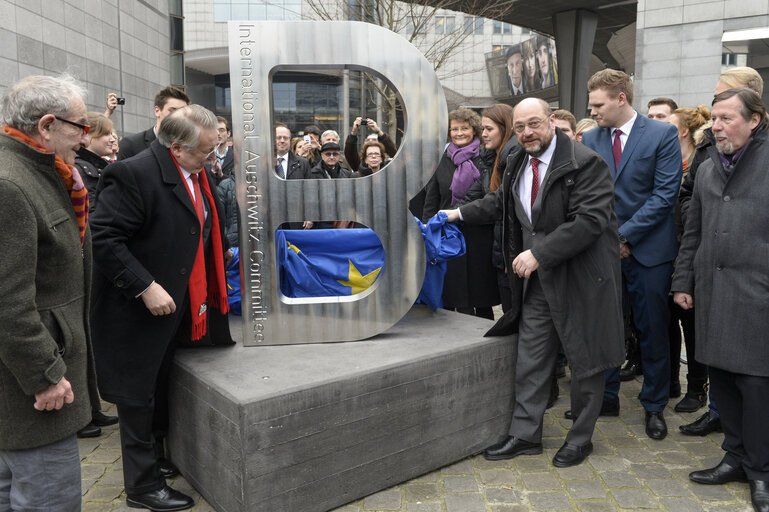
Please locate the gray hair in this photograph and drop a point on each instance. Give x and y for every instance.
(183, 126)
(329, 132)
(29, 99)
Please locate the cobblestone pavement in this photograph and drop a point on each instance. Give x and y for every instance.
(627, 471)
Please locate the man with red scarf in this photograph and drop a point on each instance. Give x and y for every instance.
(158, 281)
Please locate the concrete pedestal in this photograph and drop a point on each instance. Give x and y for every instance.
(306, 428)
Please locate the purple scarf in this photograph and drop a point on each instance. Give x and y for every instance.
(466, 172)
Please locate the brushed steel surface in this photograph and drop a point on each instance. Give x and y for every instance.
(379, 201)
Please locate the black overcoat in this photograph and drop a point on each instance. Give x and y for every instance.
(144, 230)
(576, 244)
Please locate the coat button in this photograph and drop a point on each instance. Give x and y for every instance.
(193, 230)
(182, 271)
(727, 198)
(119, 283)
(719, 267)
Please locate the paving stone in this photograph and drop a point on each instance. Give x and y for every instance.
(465, 503)
(581, 472)
(384, 500)
(633, 499)
(585, 490)
(424, 507)
(460, 484)
(101, 493)
(352, 507)
(681, 505)
(498, 477)
(95, 507)
(482, 463)
(463, 467)
(428, 477)
(638, 455)
(92, 471)
(595, 506)
(540, 481)
(502, 495)
(655, 445)
(104, 456)
(650, 470)
(421, 492)
(549, 501)
(507, 508)
(667, 487)
(619, 479)
(677, 459)
(528, 464)
(112, 478)
(710, 492)
(601, 463)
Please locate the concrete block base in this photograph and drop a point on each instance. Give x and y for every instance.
(306, 428)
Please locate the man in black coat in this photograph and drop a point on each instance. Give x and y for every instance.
(158, 281)
(562, 255)
(166, 101)
(288, 165)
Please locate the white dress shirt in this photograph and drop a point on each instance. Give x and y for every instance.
(524, 184)
(191, 188)
(625, 130)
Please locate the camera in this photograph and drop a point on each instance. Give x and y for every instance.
(121, 101)
(364, 121)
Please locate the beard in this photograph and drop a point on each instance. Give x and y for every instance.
(539, 148)
(725, 147)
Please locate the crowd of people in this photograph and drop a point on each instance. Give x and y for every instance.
(594, 236)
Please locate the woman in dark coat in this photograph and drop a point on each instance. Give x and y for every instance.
(91, 160)
(470, 285)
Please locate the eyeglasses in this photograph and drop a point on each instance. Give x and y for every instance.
(83, 127)
(331, 153)
(372, 155)
(533, 124)
(206, 154)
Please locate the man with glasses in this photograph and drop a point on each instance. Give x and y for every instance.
(46, 361)
(158, 282)
(329, 167)
(560, 240)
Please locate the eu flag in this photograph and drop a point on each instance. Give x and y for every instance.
(327, 262)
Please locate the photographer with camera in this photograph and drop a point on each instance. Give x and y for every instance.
(112, 103)
(351, 144)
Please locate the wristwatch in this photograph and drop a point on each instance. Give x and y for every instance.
(622, 238)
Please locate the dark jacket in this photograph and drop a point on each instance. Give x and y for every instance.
(576, 245)
(352, 154)
(145, 230)
(134, 144)
(226, 191)
(321, 172)
(90, 166)
(724, 261)
(471, 280)
(45, 282)
(297, 168)
(706, 150)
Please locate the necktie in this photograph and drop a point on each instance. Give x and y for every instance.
(281, 173)
(198, 199)
(534, 180)
(617, 150)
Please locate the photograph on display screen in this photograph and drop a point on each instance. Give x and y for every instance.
(523, 68)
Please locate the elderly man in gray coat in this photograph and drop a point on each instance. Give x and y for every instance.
(561, 251)
(723, 266)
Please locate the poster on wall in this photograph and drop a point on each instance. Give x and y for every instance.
(523, 68)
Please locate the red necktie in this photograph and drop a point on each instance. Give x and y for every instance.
(617, 150)
(534, 180)
(198, 199)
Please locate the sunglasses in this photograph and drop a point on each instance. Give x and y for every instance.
(86, 128)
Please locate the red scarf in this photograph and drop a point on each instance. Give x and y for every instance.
(214, 290)
(78, 194)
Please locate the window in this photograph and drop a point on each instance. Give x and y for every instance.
(415, 21)
(473, 25)
(226, 10)
(444, 24)
(728, 59)
(502, 28)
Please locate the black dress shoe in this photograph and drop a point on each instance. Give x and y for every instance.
(607, 409)
(675, 389)
(89, 430)
(703, 425)
(691, 402)
(511, 447)
(162, 500)
(629, 371)
(102, 420)
(167, 468)
(656, 428)
(721, 474)
(759, 495)
(571, 455)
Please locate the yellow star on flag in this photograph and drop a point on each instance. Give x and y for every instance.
(357, 282)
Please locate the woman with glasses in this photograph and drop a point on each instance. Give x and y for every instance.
(470, 285)
(90, 159)
(371, 158)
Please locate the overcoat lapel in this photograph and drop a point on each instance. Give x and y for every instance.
(636, 134)
(172, 177)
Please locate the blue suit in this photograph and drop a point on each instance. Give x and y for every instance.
(646, 185)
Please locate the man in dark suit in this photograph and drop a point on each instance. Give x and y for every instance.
(158, 281)
(166, 101)
(288, 165)
(223, 164)
(560, 247)
(645, 159)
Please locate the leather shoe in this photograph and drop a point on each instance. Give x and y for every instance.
(102, 420)
(571, 455)
(167, 468)
(162, 500)
(629, 371)
(691, 402)
(89, 430)
(607, 409)
(759, 495)
(656, 428)
(721, 474)
(511, 447)
(703, 425)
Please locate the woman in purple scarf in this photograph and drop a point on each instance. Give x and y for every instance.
(470, 285)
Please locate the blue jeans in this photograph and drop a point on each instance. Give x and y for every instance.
(42, 479)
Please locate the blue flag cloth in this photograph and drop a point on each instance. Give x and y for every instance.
(443, 241)
(232, 273)
(327, 262)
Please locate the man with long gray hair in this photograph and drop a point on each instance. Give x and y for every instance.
(158, 281)
(46, 362)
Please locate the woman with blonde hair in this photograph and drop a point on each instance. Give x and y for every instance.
(583, 126)
(90, 159)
